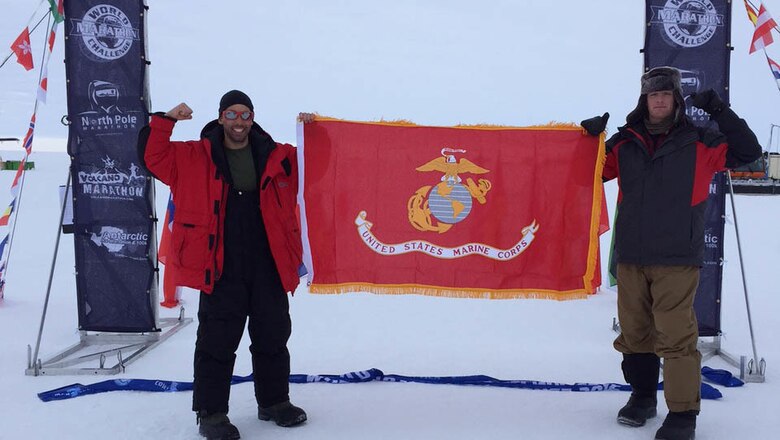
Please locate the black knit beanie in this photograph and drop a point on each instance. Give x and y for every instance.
(235, 97)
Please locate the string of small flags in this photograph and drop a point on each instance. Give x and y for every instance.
(22, 48)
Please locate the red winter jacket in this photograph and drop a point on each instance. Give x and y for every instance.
(199, 194)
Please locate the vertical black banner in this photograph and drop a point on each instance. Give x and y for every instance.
(114, 233)
(695, 37)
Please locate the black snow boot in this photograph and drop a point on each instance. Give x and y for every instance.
(217, 426)
(284, 414)
(678, 426)
(636, 412)
(641, 372)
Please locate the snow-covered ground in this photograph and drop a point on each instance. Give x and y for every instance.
(411, 335)
(440, 62)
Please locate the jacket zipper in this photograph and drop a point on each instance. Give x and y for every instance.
(278, 198)
(216, 244)
(642, 141)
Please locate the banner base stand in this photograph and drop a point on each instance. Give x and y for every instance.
(98, 347)
(709, 347)
(749, 371)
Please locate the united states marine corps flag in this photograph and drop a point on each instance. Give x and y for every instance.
(487, 212)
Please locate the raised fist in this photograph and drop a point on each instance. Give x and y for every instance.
(595, 125)
(180, 112)
(709, 101)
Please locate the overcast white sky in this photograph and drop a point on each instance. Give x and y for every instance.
(435, 62)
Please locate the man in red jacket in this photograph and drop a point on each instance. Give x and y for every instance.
(236, 239)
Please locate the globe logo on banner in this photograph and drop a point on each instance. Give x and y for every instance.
(688, 23)
(450, 201)
(106, 33)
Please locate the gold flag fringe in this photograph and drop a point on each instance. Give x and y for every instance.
(382, 121)
(598, 194)
(401, 122)
(552, 125)
(414, 289)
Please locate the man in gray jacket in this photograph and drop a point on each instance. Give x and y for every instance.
(664, 165)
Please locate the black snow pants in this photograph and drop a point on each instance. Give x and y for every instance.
(249, 287)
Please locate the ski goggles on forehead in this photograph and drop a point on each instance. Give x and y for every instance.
(233, 115)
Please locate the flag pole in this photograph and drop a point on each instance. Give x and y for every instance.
(33, 362)
(23, 163)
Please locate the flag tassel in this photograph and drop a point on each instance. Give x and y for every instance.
(334, 289)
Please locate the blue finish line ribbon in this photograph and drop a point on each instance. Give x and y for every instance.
(370, 375)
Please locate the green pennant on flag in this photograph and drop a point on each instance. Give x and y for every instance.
(57, 11)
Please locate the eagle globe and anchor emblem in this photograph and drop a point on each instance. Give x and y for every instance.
(439, 207)
(450, 201)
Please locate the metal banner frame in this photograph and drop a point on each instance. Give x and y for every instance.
(110, 197)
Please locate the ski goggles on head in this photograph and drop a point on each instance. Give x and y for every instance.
(233, 115)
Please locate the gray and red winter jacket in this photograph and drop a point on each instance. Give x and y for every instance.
(662, 197)
(197, 173)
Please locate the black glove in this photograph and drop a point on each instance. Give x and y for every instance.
(709, 101)
(595, 125)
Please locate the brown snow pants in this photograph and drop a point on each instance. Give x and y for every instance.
(655, 310)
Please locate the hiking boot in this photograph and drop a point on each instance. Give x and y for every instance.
(641, 371)
(217, 427)
(636, 412)
(284, 414)
(678, 426)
